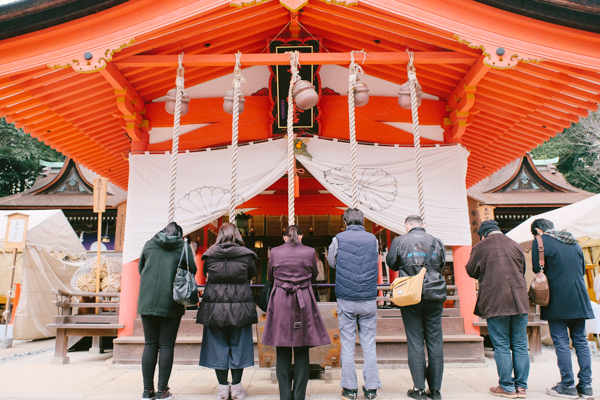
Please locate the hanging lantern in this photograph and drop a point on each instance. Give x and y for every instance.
(305, 95)
(228, 102)
(170, 104)
(404, 96)
(361, 94)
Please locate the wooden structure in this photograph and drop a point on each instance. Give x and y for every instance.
(498, 82)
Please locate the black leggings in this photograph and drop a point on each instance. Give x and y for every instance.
(236, 376)
(289, 383)
(160, 333)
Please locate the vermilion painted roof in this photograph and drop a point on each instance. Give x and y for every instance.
(498, 114)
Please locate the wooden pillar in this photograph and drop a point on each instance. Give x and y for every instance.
(200, 278)
(465, 286)
(130, 289)
(392, 274)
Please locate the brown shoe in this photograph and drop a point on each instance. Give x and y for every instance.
(498, 391)
(521, 393)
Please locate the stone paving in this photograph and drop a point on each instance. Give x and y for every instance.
(26, 373)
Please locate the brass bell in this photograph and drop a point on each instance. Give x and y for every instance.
(228, 102)
(170, 103)
(404, 96)
(305, 95)
(361, 95)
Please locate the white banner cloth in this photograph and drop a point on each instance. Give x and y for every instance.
(388, 184)
(203, 188)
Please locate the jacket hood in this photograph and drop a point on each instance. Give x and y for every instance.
(167, 242)
(228, 250)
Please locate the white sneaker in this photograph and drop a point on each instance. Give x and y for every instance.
(237, 392)
(223, 393)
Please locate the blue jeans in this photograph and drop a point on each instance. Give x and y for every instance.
(510, 334)
(363, 314)
(560, 330)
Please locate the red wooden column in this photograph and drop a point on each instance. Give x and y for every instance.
(130, 290)
(465, 286)
(393, 274)
(200, 278)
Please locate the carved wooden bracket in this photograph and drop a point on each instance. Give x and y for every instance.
(498, 57)
(93, 60)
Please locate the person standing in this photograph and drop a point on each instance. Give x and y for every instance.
(293, 323)
(354, 254)
(499, 264)
(227, 311)
(568, 308)
(161, 315)
(423, 321)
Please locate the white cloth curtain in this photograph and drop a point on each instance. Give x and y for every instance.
(388, 184)
(203, 188)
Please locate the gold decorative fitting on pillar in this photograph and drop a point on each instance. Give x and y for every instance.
(404, 96)
(497, 56)
(228, 102)
(92, 60)
(170, 103)
(305, 95)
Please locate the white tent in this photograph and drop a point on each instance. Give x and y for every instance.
(50, 238)
(582, 219)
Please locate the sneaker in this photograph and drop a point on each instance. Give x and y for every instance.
(498, 391)
(370, 394)
(164, 395)
(559, 390)
(417, 394)
(521, 393)
(349, 394)
(585, 392)
(434, 394)
(149, 395)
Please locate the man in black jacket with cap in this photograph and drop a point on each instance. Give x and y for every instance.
(422, 321)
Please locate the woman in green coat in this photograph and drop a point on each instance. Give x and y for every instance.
(161, 315)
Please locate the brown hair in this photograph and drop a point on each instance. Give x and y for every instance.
(293, 233)
(228, 232)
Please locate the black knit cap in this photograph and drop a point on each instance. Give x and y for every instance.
(487, 227)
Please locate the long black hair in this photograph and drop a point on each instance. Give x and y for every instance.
(228, 232)
(173, 229)
(293, 233)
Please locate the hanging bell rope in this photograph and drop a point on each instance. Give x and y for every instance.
(412, 80)
(238, 80)
(179, 85)
(294, 65)
(355, 69)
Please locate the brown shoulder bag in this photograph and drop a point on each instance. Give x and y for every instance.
(539, 291)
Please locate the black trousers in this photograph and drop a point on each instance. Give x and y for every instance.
(284, 372)
(160, 334)
(423, 323)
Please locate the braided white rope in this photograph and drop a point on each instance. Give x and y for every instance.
(412, 80)
(354, 69)
(179, 83)
(238, 80)
(294, 64)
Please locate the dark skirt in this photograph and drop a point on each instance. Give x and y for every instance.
(227, 347)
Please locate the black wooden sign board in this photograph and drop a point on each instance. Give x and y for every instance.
(304, 120)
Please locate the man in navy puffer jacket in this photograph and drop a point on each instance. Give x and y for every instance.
(355, 255)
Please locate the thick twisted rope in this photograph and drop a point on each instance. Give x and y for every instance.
(412, 81)
(179, 83)
(294, 64)
(238, 79)
(355, 69)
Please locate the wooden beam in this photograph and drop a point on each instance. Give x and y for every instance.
(444, 57)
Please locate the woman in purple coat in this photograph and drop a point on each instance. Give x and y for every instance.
(293, 318)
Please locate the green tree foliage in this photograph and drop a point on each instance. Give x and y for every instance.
(579, 150)
(20, 156)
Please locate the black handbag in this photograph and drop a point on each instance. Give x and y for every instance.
(185, 288)
(265, 294)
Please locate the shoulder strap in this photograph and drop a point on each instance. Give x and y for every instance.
(184, 252)
(431, 250)
(540, 243)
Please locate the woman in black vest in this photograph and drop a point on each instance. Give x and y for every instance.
(227, 311)
(161, 315)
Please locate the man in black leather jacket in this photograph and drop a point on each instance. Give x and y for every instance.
(423, 321)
